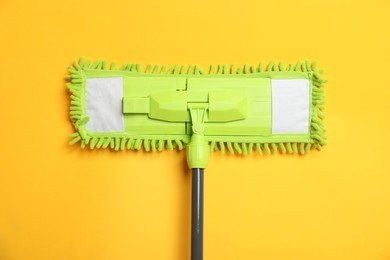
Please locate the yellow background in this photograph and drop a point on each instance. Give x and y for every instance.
(62, 202)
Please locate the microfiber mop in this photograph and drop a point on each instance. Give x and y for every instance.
(238, 110)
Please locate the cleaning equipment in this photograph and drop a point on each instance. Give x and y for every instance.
(239, 110)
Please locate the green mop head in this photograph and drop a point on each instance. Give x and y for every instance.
(240, 110)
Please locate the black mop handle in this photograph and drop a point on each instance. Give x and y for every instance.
(197, 215)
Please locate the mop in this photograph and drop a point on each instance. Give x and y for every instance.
(239, 110)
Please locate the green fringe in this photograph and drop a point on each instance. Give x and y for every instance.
(261, 148)
(76, 81)
(126, 143)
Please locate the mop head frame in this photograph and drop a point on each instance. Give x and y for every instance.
(276, 107)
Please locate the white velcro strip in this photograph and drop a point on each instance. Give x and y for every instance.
(104, 104)
(290, 106)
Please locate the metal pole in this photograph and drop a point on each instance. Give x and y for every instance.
(197, 214)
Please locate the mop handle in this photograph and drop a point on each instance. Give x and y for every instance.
(197, 214)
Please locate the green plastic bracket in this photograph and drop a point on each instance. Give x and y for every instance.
(171, 106)
(136, 105)
(198, 151)
(227, 105)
